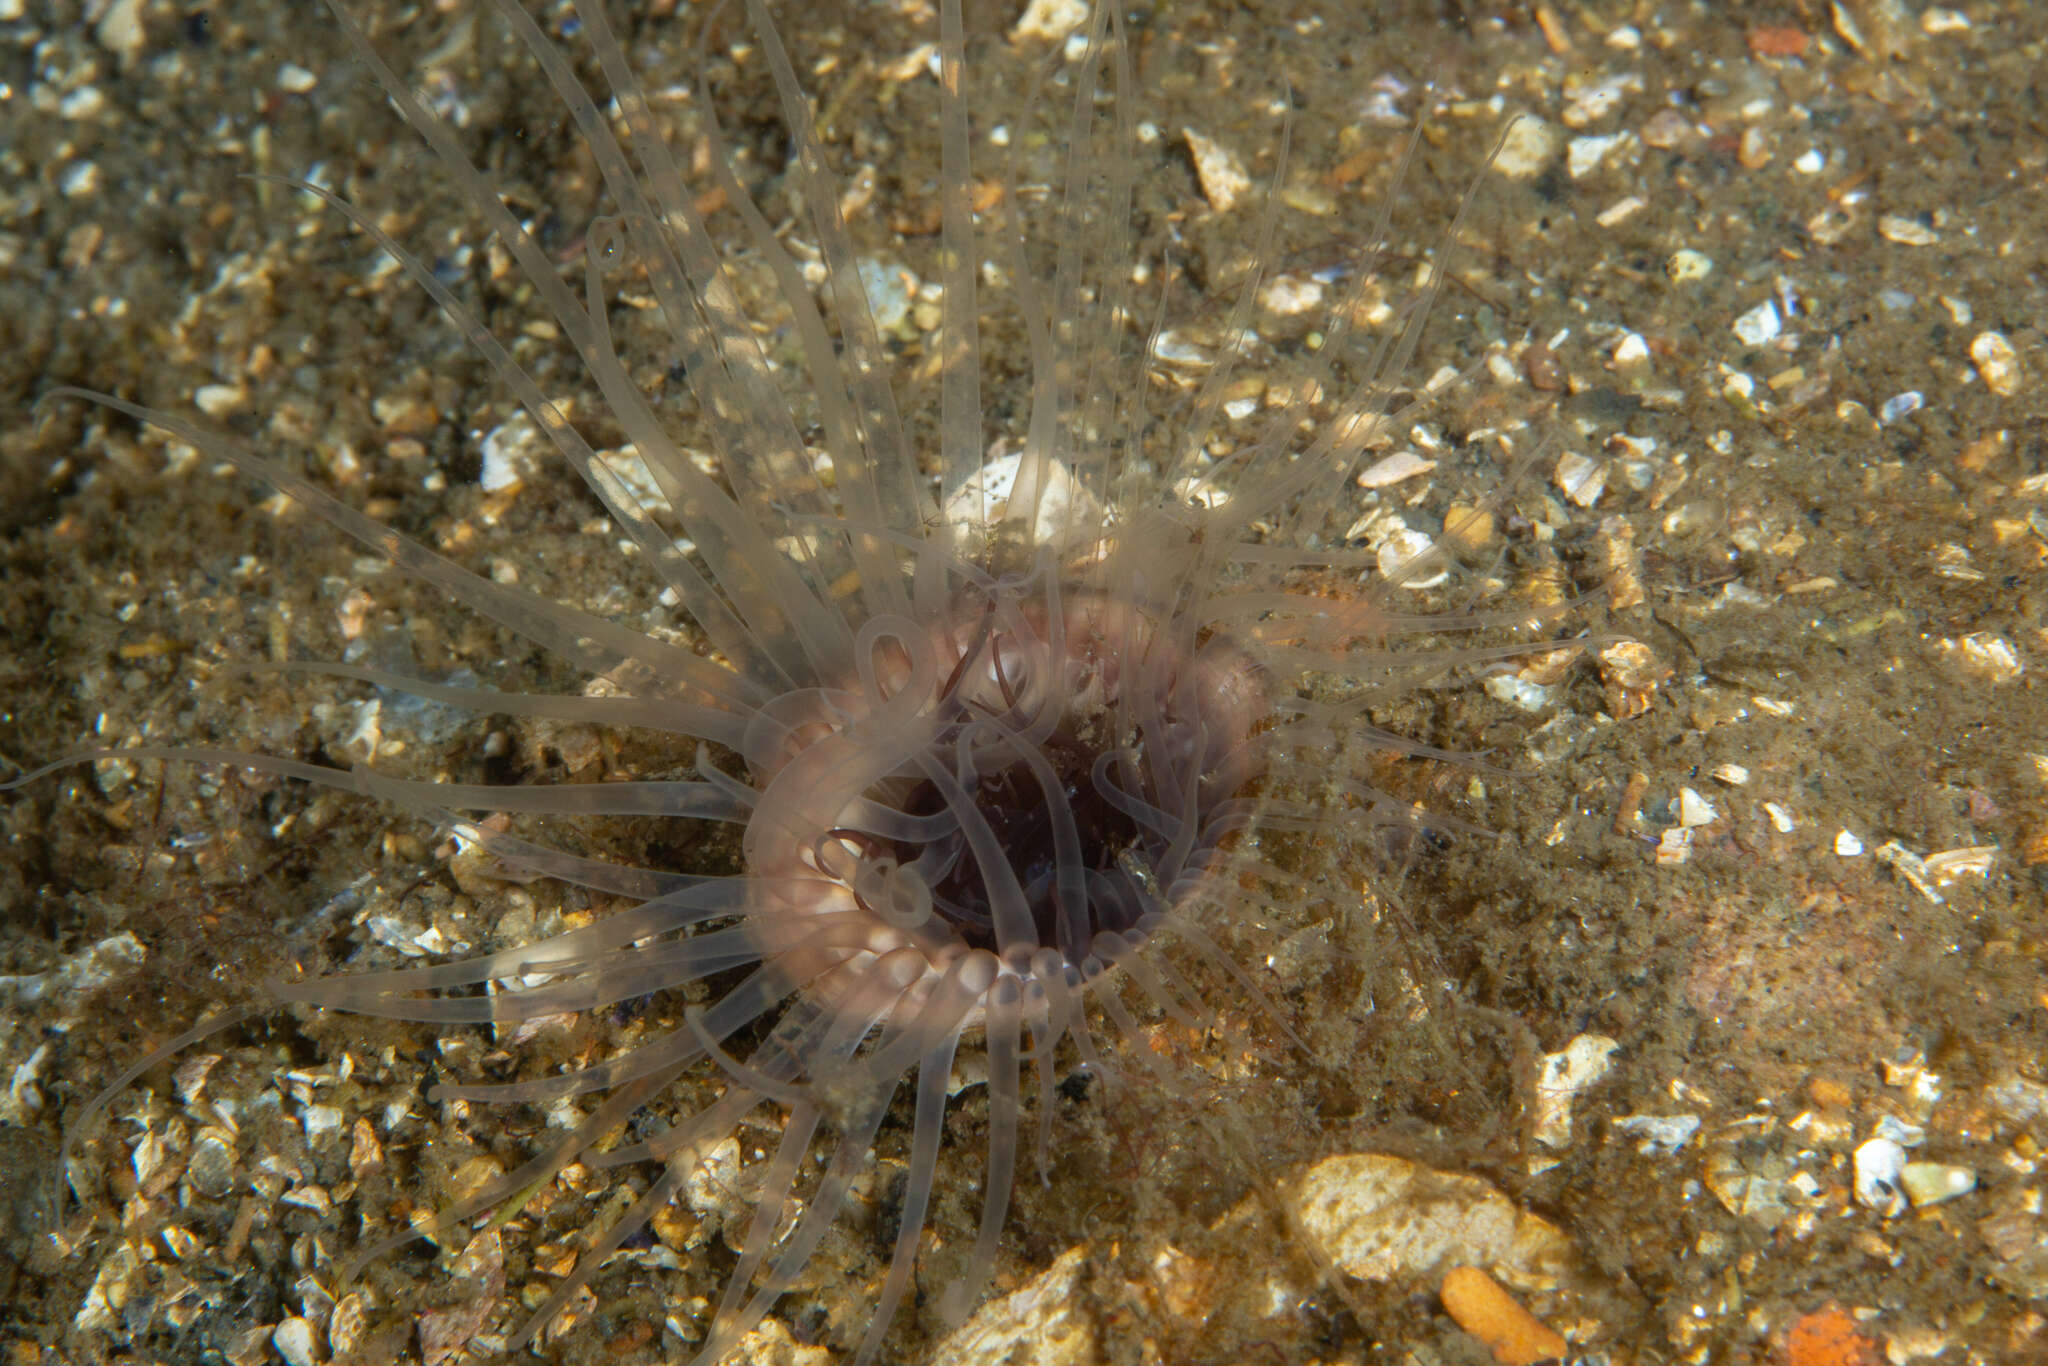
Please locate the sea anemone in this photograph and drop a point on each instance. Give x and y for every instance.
(994, 703)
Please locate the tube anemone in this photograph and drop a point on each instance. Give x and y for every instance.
(992, 729)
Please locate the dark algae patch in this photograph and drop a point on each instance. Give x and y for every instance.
(1771, 284)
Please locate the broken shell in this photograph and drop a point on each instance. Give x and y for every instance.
(1879, 1165)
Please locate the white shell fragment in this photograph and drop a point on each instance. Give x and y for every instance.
(511, 452)
(1561, 1076)
(1879, 1165)
(1221, 175)
(1693, 809)
(1760, 325)
(1525, 148)
(1400, 547)
(1050, 20)
(1847, 845)
(1660, 1135)
(1900, 405)
(1674, 846)
(1911, 867)
(1952, 865)
(1393, 469)
(1580, 479)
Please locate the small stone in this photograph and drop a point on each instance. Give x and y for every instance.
(120, 29)
(1907, 232)
(294, 79)
(1998, 365)
(1385, 1218)
(1931, 1183)
(1847, 845)
(1044, 1322)
(1631, 672)
(1288, 295)
(1394, 469)
(294, 1340)
(1734, 775)
(220, 400)
(1050, 20)
(511, 454)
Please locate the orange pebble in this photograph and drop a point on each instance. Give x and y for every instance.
(1480, 1307)
(1829, 1338)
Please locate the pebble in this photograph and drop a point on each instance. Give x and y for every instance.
(1932, 1183)
(1847, 845)
(120, 28)
(294, 1340)
(1383, 1218)
(1289, 295)
(1516, 1337)
(220, 400)
(1041, 1323)
(511, 451)
(1050, 20)
(1998, 365)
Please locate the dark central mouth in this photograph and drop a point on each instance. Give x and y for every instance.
(1078, 774)
(1011, 800)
